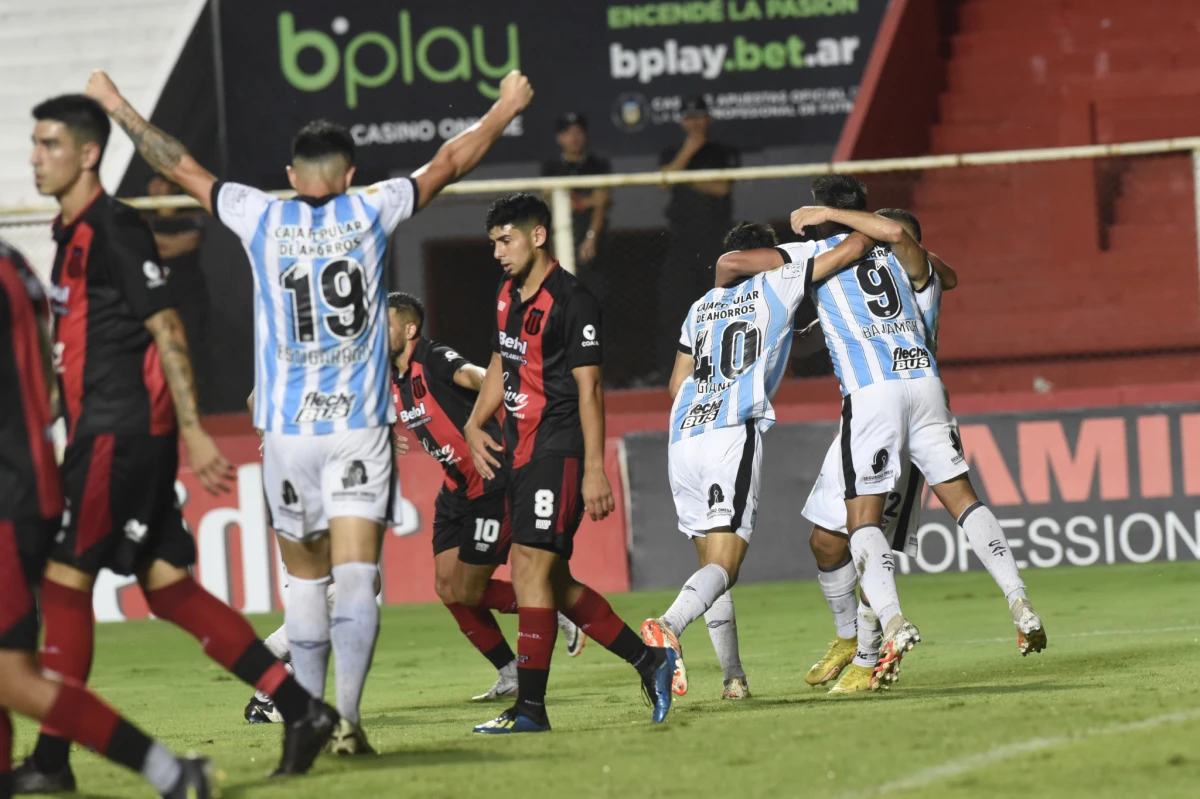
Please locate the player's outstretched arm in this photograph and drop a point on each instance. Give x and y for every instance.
(909, 254)
(597, 493)
(850, 249)
(212, 470)
(491, 394)
(944, 271)
(457, 157)
(165, 154)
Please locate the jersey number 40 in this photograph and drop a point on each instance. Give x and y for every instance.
(741, 344)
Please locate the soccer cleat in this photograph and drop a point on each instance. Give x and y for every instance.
(1031, 635)
(736, 688)
(573, 637)
(899, 637)
(841, 652)
(261, 710)
(349, 739)
(656, 633)
(854, 679)
(512, 721)
(506, 685)
(657, 686)
(196, 780)
(304, 738)
(27, 779)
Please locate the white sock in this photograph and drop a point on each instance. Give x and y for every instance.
(277, 643)
(876, 564)
(722, 629)
(838, 584)
(991, 546)
(306, 620)
(870, 637)
(698, 595)
(353, 630)
(161, 768)
(331, 597)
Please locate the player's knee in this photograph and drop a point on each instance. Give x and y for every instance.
(470, 593)
(445, 589)
(828, 548)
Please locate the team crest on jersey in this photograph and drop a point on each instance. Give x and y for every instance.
(533, 321)
(418, 387)
(701, 414)
(356, 475)
(905, 358)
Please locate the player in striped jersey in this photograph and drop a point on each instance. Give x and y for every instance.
(859, 633)
(322, 375)
(894, 407)
(733, 352)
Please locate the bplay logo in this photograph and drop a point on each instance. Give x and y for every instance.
(442, 54)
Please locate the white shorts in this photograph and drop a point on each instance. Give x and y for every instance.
(309, 480)
(885, 425)
(714, 479)
(826, 504)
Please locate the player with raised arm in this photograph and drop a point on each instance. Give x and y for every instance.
(322, 377)
(126, 382)
(31, 505)
(733, 352)
(855, 650)
(546, 371)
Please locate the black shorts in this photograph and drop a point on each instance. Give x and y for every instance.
(24, 547)
(122, 512)
(545, 503)
(478, 527)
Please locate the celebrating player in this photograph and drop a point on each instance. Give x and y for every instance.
(859, 634)
(321, 366)
(31, 505)
(126, 383)
(546, 370)
(733, 352)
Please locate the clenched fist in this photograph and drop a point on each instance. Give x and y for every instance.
(515, 91)
(101, 89)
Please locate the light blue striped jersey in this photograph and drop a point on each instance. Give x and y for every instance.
(739, 338)
(929, 302)
(873, 326)
(320, 303)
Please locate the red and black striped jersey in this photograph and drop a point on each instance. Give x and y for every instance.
(540, 340)
(106, 283)
(30, 487)
(435, 408)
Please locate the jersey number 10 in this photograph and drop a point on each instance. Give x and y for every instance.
(343, 287)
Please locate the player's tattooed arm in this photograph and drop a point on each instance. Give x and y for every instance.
(210, 466)
(164, 153)
(491, 394)
(597, 493)
(944, 271)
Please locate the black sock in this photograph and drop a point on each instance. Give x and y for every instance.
(291, 700)
(127, 746)
(531, 692)
(500, 655)
(630, 646)
(52, 754)
(6, 785)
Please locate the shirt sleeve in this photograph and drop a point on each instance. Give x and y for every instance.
(240, 208)
(582, 330)
(395, 200)
(792, 282)
(134, 263)
(443, 363)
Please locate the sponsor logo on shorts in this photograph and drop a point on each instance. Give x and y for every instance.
(289, 493)
(905, 358)
(542, 524)
(319, 407)
(701, 414)
(880, 461)
(956, 442)
(533, 321)
(356, 475)
(135, 531)
(589, 336)
(482, 547)
(715, 495)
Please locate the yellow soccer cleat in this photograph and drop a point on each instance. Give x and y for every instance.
(853, 680)
(840, 653)
(349, 739)
(736, 688)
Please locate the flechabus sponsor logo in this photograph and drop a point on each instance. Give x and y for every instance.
(906, 358)
(318, 407)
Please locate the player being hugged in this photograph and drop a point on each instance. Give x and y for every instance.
(733, 352)
(546, 371)
(322, 387)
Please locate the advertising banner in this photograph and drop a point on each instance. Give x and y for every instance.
(405, 75)
(1070, 488)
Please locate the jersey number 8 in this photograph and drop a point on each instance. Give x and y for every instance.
(343, 287)
(543, 503)
(741, 344)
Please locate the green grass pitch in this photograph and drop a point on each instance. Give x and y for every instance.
(1111, 709)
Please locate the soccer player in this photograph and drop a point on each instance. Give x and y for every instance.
(31, 505)
(894, 405)
(126, 382)
(855, 651)
(321, 366)
(546, 370)
(733, 351)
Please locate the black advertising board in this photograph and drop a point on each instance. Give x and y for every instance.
(404, 75)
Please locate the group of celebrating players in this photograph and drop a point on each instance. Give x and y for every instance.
(344, 377)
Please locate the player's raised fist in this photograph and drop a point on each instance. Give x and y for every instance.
(516, 90)
(809, 216)
(101, 89)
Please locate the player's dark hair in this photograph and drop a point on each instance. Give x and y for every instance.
(81, 115)
(904, 217)
(840, 191)
(321, 139)
(408, 304)
(519, 209)
(750, 236)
